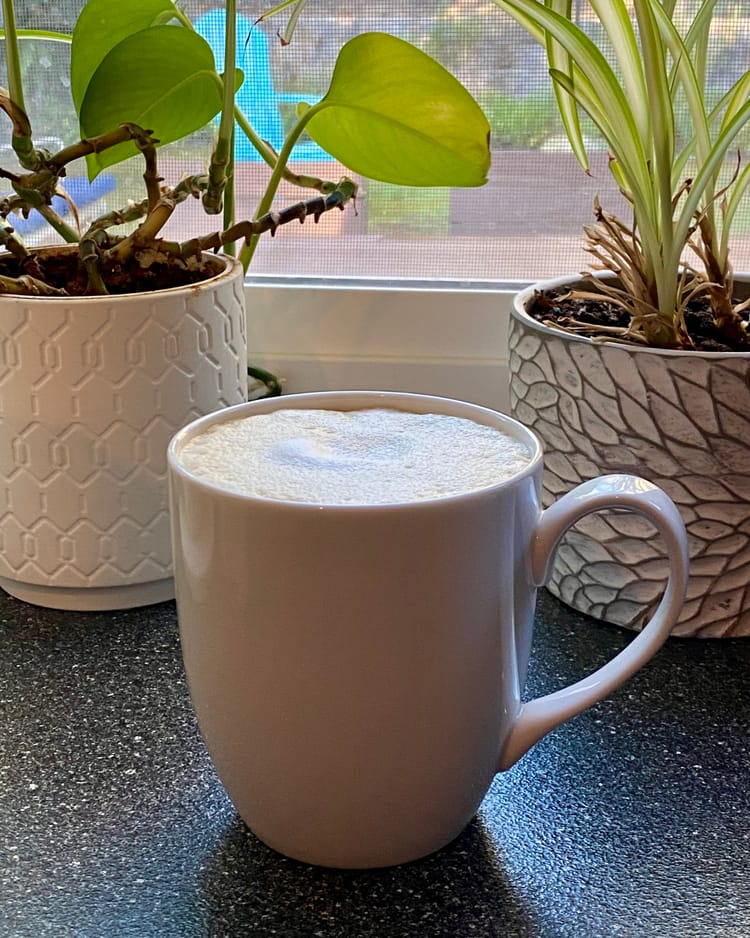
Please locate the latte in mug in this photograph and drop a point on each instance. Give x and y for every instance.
(357, 674)
(359, 457)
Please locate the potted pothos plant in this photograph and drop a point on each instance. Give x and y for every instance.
(112, 341)
(642, 363)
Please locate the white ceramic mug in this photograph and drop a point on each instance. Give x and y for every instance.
(357, 671)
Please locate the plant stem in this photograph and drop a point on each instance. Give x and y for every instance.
(23, 145)
(225, 144)
(223, 155)
(247, 252)
(271, 157)
(229, 202)
(265, 151)
(219, 195)
(344, 192)
(226, 123)
(60, 226)
(12, 54)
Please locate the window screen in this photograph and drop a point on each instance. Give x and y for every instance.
(523, 224)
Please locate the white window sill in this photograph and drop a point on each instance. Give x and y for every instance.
(450, 341)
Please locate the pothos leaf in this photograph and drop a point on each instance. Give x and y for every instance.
(101, 25)
(162, 78)
(394, 114)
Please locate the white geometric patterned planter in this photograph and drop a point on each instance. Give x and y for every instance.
(91, 391)
(681, 420)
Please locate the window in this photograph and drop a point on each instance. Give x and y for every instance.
(523, 225)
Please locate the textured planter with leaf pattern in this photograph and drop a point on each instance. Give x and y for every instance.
(679, 419)
(91, 391)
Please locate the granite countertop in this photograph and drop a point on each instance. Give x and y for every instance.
(631, 820)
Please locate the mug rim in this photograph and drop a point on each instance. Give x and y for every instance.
(358, 400)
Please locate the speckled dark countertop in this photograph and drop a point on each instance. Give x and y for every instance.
(632, 820)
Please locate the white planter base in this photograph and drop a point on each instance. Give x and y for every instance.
(91, 598)
(91, 391)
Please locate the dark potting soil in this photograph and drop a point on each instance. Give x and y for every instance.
(61, 268)
(557, 306)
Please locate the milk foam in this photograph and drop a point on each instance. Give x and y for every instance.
(358, 457)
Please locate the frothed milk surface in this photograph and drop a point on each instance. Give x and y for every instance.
(357, 457)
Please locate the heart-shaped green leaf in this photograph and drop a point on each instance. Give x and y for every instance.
(162, 78)
(100, 26)
(394, 114)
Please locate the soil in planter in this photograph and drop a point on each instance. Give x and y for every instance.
(61, 268)
(557, 307)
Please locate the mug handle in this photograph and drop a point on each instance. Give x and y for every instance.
(537, 717)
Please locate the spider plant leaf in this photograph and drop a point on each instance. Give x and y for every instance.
(734, 199)
(577, 87)
(560, 63)
(101, 25)
(705, 178)
(738, 95)
(698, 36)
(630, 173)
(689, 72)
(40, 34)
(596, 83)
(656, 88)
(267, 14)
(162, 78)
(618, 26)
(293, 20)
(394, 114)
(633, 173)
(297, 8)
(685, 77)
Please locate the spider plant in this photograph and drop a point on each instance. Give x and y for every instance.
(675, 250)
(141, 76)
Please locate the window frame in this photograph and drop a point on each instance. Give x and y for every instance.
(447, 339)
